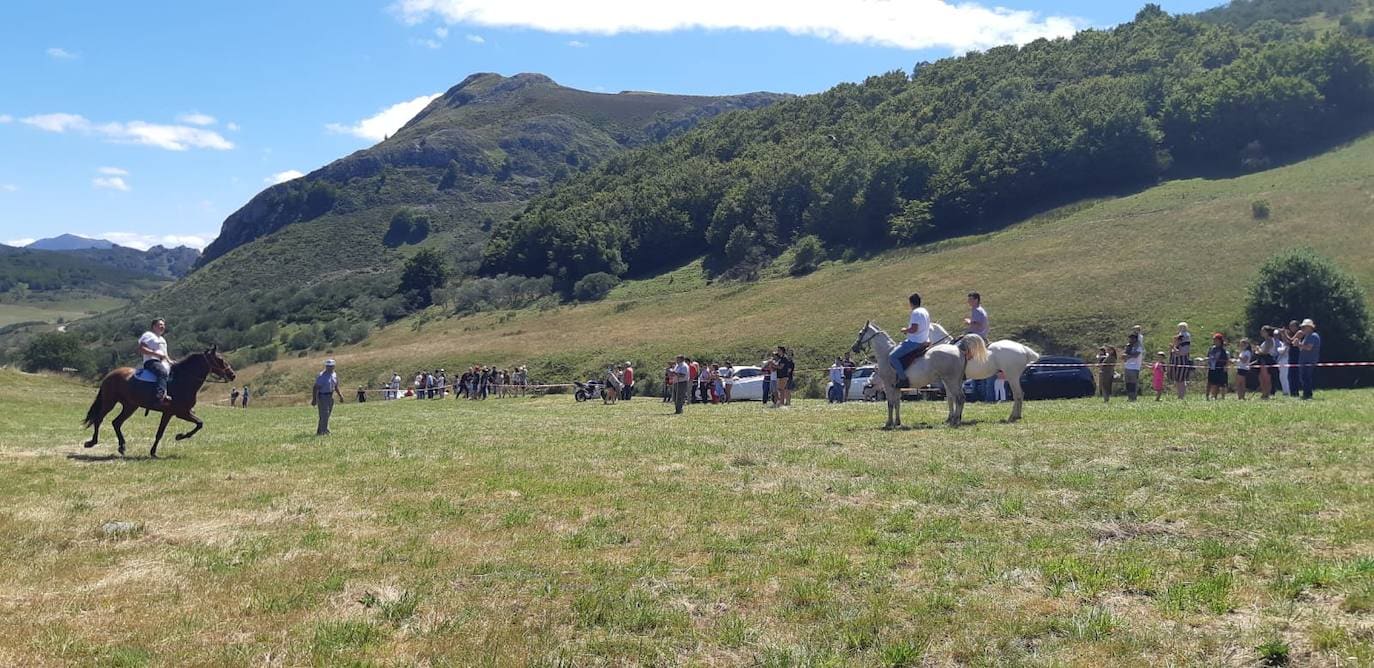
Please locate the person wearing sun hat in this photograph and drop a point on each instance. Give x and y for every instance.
(322, 396)
(1311, 347)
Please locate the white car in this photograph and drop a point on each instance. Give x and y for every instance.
(748, 384)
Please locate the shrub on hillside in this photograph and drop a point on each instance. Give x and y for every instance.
(807, 255)
(1259, 209)
(1298, 284)
(54, 351)
(594, 286)
(424, 272)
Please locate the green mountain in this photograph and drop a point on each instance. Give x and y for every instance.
(43, 272)
(156, 261)
(67, 242)
(958, 146)
(330, 245)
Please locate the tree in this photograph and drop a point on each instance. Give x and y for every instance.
(913, 222)
(54, 351)
(594, 286)
(450, 177)
(807, 255)
(424, 272)
(1298, 284)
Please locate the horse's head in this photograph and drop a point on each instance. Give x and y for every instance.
(865, 337)
(218, 365)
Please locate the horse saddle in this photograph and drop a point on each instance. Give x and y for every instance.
(911, 357)
(145, 376)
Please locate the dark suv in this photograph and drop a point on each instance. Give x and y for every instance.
(1042, 380)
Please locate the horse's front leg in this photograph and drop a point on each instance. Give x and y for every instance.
(188, 416)
(118, 423)
(1017, 395)
(161, 427)
(956, 405)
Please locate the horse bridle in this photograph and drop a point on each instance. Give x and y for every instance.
(865, 337)
(218, 372)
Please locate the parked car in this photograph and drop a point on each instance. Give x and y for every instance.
(748, 385)
(1042, 381)
(860, 380)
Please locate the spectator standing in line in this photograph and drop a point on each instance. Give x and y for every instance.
(234, 397)
(717, 384)
(693, 374)
(1217, 359)
(835, 393)
(1292, 336)
(629, 376)
(419, 385)
(1157, 375)
(769, 377)
(362, 394)
(727, 376)
(682, 377)
(849, 366)
(668, 384)
(245, 396)
(1244, 357)
(1133, 358)
(1181, 360)
(1106, 371)
(703, 387)
(1266, 357)
(1311, 346)
(1001, 388)
(977, 323)
(326, 388)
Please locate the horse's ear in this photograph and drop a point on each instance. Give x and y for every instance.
(214, 349)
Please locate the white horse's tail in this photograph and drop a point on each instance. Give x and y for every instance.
(1031, 356)
(976, 348)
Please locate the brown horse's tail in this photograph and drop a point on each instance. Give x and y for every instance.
(93, 414)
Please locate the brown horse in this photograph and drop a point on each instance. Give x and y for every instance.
(119, 387)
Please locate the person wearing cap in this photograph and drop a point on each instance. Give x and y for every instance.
(322, 397)
(628, 380)
(1311, 347)
(1181, 359)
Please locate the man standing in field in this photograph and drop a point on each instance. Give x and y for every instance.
(155, 358)
(1311, 347)
(322, 397)
(682, 376)
(245, 396)
(977, 323)
(628, 378)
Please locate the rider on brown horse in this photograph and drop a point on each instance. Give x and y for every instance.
(153, 348)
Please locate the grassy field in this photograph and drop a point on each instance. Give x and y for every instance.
(51, 311)
(544, 532)
(1065, 281)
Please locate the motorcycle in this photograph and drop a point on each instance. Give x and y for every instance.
(589, 389)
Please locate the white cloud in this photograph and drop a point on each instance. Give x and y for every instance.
(441, 32)
(231, 126)
(909, 24)
(113, 171)
(476, 39)
(9, 188)
(19, 243)
(170, 137)
(386, 122)
(111, 183)
(59, 53)
(146, 241)
(283, 177)
(427, 43)
(6, 118)
(577, 44)
(196, 118)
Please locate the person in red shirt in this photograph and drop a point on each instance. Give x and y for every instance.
(629, 379)
(694, 371)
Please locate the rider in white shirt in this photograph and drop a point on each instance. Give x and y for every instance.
(917, 338)
(153, 348)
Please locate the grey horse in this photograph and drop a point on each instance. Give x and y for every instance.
(942, 361)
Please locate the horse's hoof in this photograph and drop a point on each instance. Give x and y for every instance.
(181, 437)
(152, 455)
(88, 444)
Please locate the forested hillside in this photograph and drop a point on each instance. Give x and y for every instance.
(955, 146)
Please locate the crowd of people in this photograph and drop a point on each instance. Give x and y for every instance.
(475, 383)
(1282, 360)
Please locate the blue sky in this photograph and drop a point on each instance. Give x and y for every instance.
(149, 122)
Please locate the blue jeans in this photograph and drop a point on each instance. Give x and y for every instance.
(155, 367)
(902, 351)
(1305, 376)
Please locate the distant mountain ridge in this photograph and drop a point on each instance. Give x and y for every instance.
(67, 242)
(157, 261)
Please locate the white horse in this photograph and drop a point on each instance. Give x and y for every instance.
(942, 361)
(985, 360)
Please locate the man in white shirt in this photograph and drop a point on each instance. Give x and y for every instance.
(153, 348)
(681, 377)
(836, 390)
(917, 338)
